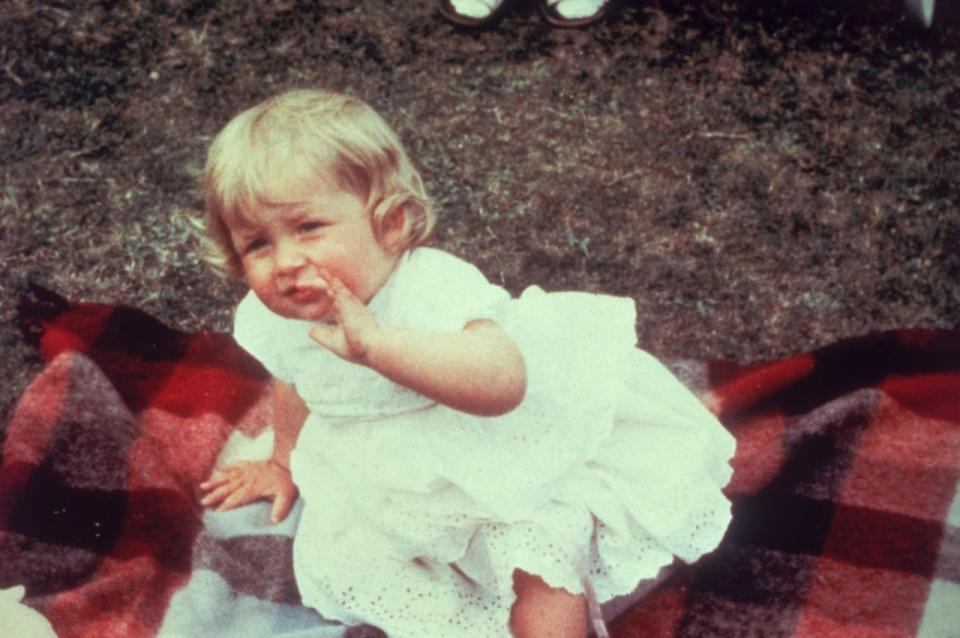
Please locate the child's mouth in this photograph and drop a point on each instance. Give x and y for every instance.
(304, 295)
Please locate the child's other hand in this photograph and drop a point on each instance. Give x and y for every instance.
(351, 335)
(247, 481)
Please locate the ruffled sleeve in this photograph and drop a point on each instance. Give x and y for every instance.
(441, 292)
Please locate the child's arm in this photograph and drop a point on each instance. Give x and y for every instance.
(240, 483)
(290, 413)
(477, 370)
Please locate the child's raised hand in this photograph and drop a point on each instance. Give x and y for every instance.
(354, 329)
(247, 481)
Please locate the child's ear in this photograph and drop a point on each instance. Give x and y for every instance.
(392, 229)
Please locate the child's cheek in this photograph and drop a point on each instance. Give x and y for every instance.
(259, 280)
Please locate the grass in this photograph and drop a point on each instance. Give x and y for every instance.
(762, 178)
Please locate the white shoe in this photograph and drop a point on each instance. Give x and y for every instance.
(472, 13)
(577, 9)
(574, 13)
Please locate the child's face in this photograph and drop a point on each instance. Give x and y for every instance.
(309, 226)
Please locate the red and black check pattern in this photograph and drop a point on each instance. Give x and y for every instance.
(98, 500)
(847, 467)
(847, 464)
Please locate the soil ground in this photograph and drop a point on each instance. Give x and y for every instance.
(762, 177)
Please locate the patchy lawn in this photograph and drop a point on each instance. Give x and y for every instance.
(762, 177)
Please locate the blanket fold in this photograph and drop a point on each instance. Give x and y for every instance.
(846, 517)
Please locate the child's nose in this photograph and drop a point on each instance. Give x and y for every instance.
(288, 257)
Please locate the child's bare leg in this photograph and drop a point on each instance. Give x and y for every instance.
(544, 612)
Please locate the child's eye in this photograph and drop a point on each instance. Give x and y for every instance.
(307, 227)
(254, 245)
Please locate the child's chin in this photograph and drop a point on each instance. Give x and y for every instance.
(324, 314)
(312, 312)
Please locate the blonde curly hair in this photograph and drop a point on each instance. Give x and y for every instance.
(329, 130)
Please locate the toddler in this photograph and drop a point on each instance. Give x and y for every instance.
(470, 464)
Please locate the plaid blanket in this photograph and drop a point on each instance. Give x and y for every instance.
(846, 517)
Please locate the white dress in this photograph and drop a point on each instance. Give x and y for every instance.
(416, 515)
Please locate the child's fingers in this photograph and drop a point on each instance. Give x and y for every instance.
(222, 475)
(221, 486)
(326, 335)
(217, 485)
(239, 466)
(282, 504)
(215, 481)
(238, 498)
(351, 313)
(345, 303)
(343, 298)
(218, 495)
(326, 276)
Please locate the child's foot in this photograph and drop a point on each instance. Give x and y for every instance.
(472, 13)
(574, 13)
